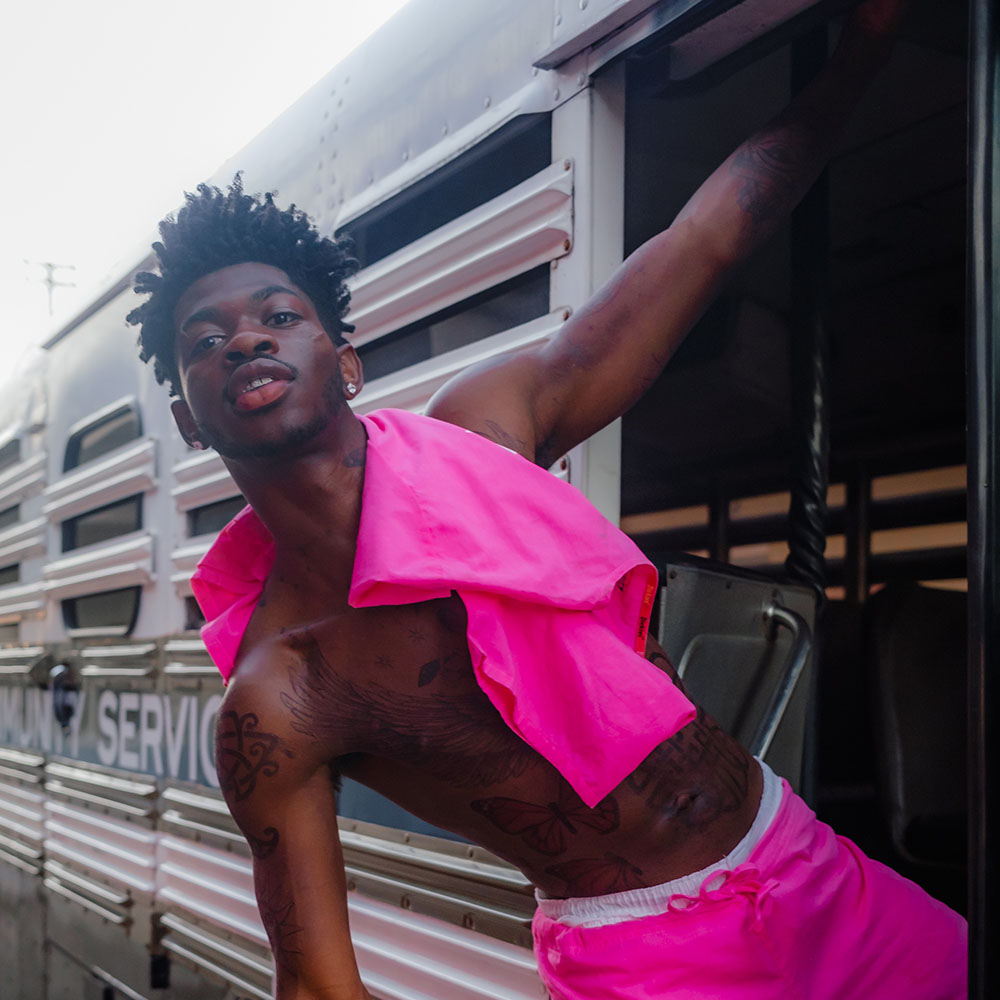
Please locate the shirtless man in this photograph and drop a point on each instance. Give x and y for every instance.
(263, 376)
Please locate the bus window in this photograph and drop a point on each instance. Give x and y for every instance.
(509, 156)
(10, 454)
(213, 517)
(507, 305)
(118, 518)
(102, 435)
(111, 611)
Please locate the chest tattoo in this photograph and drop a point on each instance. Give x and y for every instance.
(459, 738)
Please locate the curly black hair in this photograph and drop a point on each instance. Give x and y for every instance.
(213, 230)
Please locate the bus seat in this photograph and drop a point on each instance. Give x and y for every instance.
(846, 766)
(713, 629)
(918, 643)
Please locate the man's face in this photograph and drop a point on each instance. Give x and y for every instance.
(260, 375)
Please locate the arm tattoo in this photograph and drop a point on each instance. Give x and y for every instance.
(460, 739)
(243, 753)
(775, 166)
(501, 436)
(277, 913)
(265, 845)
(768, 167)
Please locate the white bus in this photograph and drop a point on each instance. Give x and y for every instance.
(494, 162)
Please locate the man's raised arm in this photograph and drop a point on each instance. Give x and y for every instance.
(544, 401)
(281, 795)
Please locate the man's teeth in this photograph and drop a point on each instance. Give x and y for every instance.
(258, 382)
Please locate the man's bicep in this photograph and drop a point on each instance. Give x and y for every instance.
(495, 398)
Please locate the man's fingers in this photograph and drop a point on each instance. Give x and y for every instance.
(879, 18)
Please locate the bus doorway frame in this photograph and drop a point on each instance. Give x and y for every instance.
(983, 375)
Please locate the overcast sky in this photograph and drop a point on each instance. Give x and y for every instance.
(111, 109)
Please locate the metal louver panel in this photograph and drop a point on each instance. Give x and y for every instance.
(121, 562)
(201, 479)
(124, 472)
(22, 480)
(405, 957)
(411, 388)
(209, 883)
(113, 849)
(22, 812)
(528, 225)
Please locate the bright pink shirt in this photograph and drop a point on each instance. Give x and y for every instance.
(558, 599)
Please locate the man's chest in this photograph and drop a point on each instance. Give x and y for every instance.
(390, 681)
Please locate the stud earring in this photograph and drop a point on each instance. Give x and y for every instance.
(197, 445)
(351, 388)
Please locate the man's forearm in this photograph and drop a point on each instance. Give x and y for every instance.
(751, 194)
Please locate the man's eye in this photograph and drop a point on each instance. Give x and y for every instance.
(283, 318)
(205, 343)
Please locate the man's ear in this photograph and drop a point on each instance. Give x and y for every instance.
(351, 371)
(186, 424)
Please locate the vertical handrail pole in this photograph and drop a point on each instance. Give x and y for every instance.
(810, 432)
(983, 373)
(858, 531)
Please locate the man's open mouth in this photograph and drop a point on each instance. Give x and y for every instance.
(258, 383)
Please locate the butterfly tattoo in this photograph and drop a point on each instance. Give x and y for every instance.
(598, 876)
(546, 828)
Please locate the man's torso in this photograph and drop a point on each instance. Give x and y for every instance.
(387, 696)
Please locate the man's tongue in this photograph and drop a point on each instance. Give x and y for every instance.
(254, 399)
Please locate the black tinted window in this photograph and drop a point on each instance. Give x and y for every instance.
(106, 522)
(102, 436)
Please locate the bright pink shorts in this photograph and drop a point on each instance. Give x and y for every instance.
(807, 917)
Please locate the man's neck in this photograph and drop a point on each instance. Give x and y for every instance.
(311, 505)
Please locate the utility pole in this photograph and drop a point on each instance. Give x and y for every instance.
(49, 281)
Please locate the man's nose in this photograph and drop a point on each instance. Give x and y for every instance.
(248, 342)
